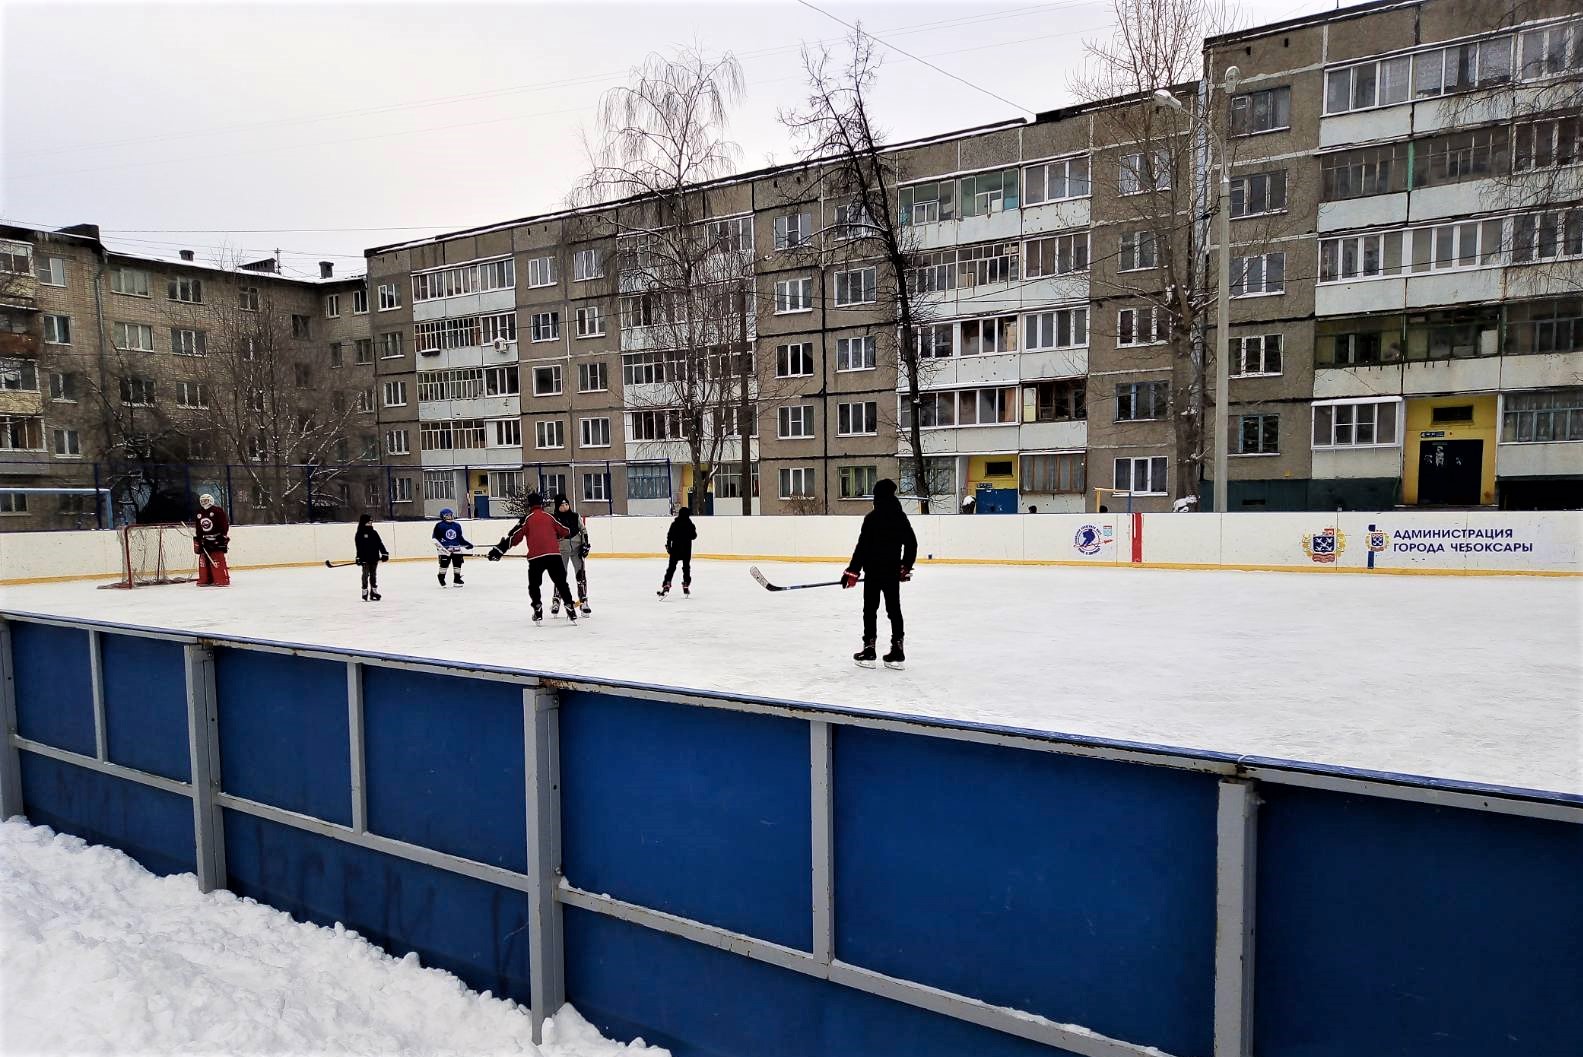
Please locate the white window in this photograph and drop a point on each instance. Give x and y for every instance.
(247, 298)
(857, 482)
(184, 342)
(365, 402)
(1261, 192)
(962, 407)
(501, 326)
(653, 425)
(542, 271)
(501, 381)
(1552, 50)
(1542, 416)
(185, 289)
(549, 433)
(21, 434)
(1064, 328)
(595, 432)
(1140, 326)
(1053, 181)
(192, 394)
(1056, 255)
(935, 340)
(130, 281)
(396, 442)
(586, 264)
(401, 490)
(856, 287)
(454, 435)
(57, 330)
(987, 337)
(1461, 67)
(1143, 401)
(1256, 435)
(498, 275)
(1137, 250)
(12, 502)
(360, 301)
(990, 262)
(1356, 424)
(795, 422)
(596, 488)
(797, 482)
(854, 354)
(395, 394)
(590, 321)
(793, 230)
(389, 299)
(62, 387)
(18, 376)
(547, 380)
(794, 360)
(928, 203)
(646, 368)
(505, 433)
(793, 295)
(332, 306)
(505, 484)
(1355, 257)
(51, 271)
(137, 392)
(1267, 110)
(851, 222)
(989, 192)
(133, 337)
(1144, 171)
(858, 419)
(1264, 273)
(1142, 476)
(552, 484)
(1547, 236)
(1256, 354)
(593, 377)
(1379, 83)
(546, 326)
(66, 443)
(439, 484)
(16, 257)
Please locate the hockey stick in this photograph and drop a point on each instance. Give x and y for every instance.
(336, 565)
(790, 587)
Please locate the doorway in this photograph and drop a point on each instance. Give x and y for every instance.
(1450, 472)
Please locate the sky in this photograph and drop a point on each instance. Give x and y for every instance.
(235, 129)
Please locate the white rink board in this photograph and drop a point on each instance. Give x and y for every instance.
(1466, 678)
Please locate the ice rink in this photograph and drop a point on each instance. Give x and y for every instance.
(1470, 678)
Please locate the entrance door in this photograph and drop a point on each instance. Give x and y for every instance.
(1449, 472)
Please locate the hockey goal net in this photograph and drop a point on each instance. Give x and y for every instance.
(156, 554)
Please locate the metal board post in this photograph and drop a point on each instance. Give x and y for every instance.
(546, 954)
(354, 731)
(1236, 860)
(96, 674)
(10, 758)
(203, 745)
(822, 804)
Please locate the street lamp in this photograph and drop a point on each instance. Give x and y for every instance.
(1165, 99)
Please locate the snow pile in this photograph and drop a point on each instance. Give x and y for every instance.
(102, 957)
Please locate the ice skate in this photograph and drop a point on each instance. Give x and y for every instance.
(664, 589)
(571, 613)
(374, 596)
(365, 596)
(456, 578)
(442, 579)
(687, 590)
(582, 604)
(538, 614)
(865, 656)
(896, 658)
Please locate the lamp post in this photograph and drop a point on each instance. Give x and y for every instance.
(1223, 280)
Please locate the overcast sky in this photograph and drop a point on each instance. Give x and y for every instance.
(324, 129)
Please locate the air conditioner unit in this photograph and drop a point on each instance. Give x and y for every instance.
(501, 344)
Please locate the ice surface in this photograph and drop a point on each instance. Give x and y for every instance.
(1471, 678)
(102, 957)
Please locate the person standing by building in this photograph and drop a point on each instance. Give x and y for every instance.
(574, 549)
(211, 542)
(679, 545)
(543, 534)
(370, 552)
(448, 540)
(884, 556)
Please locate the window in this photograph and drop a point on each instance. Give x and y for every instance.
(18, 376)
(928, 203)
(77, 504)
(648, 481)
(505, 484)
(940, 473)
(654, 425)
(57, 330)
(1060, 329)
(1055, 180)
(332, 306)
(185, 289)
(390, 345)
(133, 337)
(336, 359)
(1139, 326)
(1145, 171)
(797, 482)
(988, 192)
(853, 354)
(1054, 474)
(498, 275)
(1545, 326)
(365, 400)
(1552, 49)
(586, 264)
(728, 482)
(1543, 415)
(590, 321)
(185, 342)
(301, 327)
(395, 394)
(363, 350)
(793, 295)
(192, 394)
(1460, 156)
(130, 281)
(439, 484)
(592, 377)
(51, 271)
(247, 298)
(457, 383)
(1143, 401)
(1461, 67)
(986, 337)
(857, 482)
(1056, 255)
(255, 399)
(137, 392)
(547, 380)
(454, 435)
(360, 301)
(464, 279)
(856, 287)
(794, 360)
(1262, 111)
(596, 488)
(1061, 400)
(63, 387)
(546, 326)
(16, 257)
(1545, 144)
(935, 340)
(595, 432)
(1354, 257)
(1378, 83)
(549, 433)
(390, 298)
(401, 490)
(1255, 193)
(964, 407)
(732, 235)
(851, 222)
(1257, 435)
(1256, 354)
(1355, 424)
(21, 434)
(795, 422)
(1363, 172)
(793, 230)
(505, 433)
(501, 381)
(1445, 415)
(1546, 236)
(646, 368)
(994, 262)
(1264, 273)
(11, 502)
(1141, 476)
(860, 419)
(542, 271)
(1137, 250)
(396, 442)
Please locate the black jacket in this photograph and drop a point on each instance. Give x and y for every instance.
(886, 542)
(679, 540)
(370, 548)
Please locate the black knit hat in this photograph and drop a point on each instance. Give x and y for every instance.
(884, 488)
(535, 500)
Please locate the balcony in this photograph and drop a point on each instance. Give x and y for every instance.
(25, 345)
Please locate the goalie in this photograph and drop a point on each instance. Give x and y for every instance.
(212, 540)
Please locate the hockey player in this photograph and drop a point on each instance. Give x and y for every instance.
(679, 545)
(543, 534)
(370, 552)
(448, 540)
(574, 549)
(212, 540)
(885, 552)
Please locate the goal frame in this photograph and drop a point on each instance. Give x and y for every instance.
(161, 575)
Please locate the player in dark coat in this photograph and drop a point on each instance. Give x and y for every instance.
(211, 542)
(884, 556)
(543, 535)
(450, 542)
(679, 545)
(574, 551)
(370, 552)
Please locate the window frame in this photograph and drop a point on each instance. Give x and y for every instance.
(556, 375)
(1155, 487)
(590, 424)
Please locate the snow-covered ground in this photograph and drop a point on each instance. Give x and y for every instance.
(1476, 678)
(102, 957)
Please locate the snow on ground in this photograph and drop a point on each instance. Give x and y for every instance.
(102, 957)
(1472, 678)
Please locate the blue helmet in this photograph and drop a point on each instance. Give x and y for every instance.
(447, 512)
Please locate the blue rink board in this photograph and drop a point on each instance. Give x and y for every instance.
(145, 705)
(152, 826)
(54, 686)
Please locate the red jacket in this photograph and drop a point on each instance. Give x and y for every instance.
(543, 533)
(213, 529)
